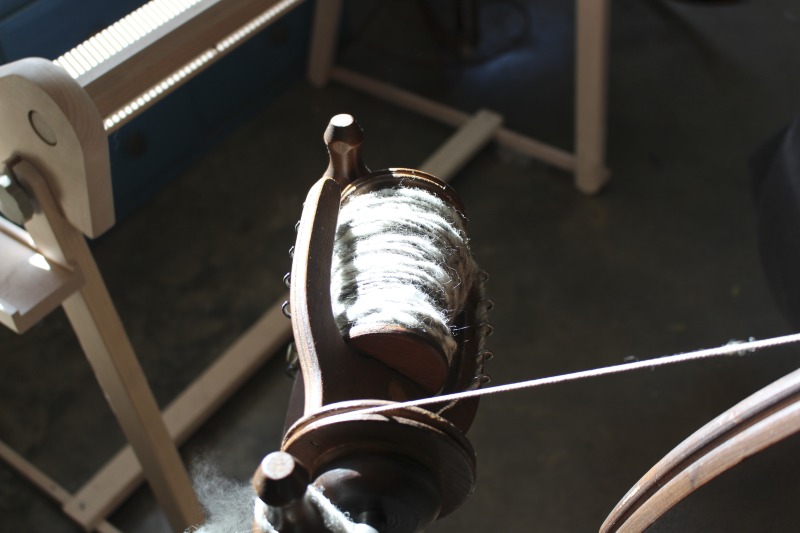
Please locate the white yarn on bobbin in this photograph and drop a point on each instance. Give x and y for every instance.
(401, 258)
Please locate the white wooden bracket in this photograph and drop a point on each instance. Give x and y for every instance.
(53, 137)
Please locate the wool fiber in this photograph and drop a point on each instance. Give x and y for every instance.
(228, 504)
(401, 257)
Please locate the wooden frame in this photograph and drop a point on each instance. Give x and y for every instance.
(47, 485)
(54, 143)
(61, 160)
(757, 422)
(591, 82)
(121, 475)
(109, 352)
(35, 286)
(591, 72)
(66, 141)
(137, 61)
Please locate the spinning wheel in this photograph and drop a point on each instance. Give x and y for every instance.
(402, 468)
(350, 452)
(761, 420)
(397, 470)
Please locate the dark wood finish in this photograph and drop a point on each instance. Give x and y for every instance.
(411, 353)
(414, 434)
(280, 479)
(758, 421)
(399, 470)
(344, 137)
(392, 177)
(332, 371)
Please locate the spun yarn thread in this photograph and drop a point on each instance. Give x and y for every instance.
(401, 257)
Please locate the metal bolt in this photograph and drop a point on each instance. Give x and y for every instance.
(15, 204)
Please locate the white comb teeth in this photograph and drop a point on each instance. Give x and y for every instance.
(91, 59)
(123, 33)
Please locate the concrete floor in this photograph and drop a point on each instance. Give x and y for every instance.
(663, 261)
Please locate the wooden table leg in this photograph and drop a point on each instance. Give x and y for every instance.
(324, 38)
(43, 482)
(591, 73)
(108, 350)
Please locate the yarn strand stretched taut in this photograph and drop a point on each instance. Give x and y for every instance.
(401, 257)
(732, 348)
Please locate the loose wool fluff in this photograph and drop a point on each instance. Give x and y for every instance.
(228, 504)
(401, 258)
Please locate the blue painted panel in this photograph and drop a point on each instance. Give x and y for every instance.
(8, 7)
(146, 152)
(256, 71)
(151, 150)
(48, 28)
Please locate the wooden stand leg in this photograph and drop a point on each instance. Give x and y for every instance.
(591, 72)
(122, 474)
(47, 485)
(324, 33)
(109, 352)
(463, 145)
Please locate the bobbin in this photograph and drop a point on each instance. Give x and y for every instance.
(397, 470)
(415, 353)
(415, 350)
